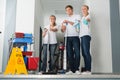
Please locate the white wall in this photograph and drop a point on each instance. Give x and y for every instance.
(25, 16)
(2, 26)
(29, 18)
(10, 20)
(38, 21)
(101, 36)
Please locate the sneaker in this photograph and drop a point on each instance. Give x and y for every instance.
(40, 73)
(87, 73)
(70, 72)
(77, 72)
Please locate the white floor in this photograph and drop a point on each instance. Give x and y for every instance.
(62, 76)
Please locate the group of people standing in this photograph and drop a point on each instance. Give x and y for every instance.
(77, 34)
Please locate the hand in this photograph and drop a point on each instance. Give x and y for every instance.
(65, 21)
(63, 24)
(63, 28)
(46, 30)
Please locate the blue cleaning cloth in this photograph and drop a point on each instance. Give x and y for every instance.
(77, 25)
(85, 22)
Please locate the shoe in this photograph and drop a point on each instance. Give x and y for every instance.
(77, 72)
(40, 73)
(87, 73)
(70, 72)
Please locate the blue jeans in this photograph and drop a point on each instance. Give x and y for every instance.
(85, 46)
(73, 53)
(52, 49)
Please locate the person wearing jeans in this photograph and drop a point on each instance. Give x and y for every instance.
(73, 41)
(85, 37)
(74, 62)
(52, 49)
(85, 46)
(49, 40)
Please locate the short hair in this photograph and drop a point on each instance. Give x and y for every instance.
(69, 6)
(86, 6)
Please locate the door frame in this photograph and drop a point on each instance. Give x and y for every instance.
(2, 26)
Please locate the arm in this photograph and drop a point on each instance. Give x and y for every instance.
(54, 29)
(63, 28)
(88, 19)
(44, 33)
(70, 22)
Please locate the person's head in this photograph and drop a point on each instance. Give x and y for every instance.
(85, 10)
(53, 20)
(69, 10)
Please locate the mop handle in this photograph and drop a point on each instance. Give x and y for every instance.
(65, 54)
